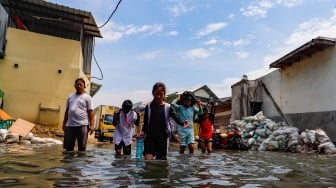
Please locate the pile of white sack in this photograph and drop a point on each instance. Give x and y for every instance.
(10, 138)
(263, 134)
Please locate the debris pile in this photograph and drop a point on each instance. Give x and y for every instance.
(21, 131)
(10, 138)
(260, 133)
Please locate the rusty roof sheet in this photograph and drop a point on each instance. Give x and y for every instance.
(32, 11)
(306, 50)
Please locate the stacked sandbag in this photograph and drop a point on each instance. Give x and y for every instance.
(11, 138)
(256, 132)
(263, 134)
(308, 140)
(27, 139)
(3, 134)
(324, 143)
(293, 139)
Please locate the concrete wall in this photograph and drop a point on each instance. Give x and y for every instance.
(245, 96)
(273, 84)
(46, 70)
(305, 92)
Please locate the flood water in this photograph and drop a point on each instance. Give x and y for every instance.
(48, 166)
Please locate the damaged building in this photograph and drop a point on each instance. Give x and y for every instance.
(300, 91)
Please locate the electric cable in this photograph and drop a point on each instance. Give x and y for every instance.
(94, 57)
(115, 9)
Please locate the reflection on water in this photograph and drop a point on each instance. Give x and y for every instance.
(31, 166)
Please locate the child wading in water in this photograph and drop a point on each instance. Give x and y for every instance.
(185, 106)
(205, 134)
(157, 127)
(124, 121)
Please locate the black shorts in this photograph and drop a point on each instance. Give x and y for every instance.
(126, 149)
(157, 147)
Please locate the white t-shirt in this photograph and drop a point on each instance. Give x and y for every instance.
(124, 128)
(78, 106)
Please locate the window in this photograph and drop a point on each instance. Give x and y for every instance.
(108, 119)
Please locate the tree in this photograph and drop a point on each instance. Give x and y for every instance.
(171, 97)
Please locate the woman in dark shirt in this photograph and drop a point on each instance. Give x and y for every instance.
(157, 126)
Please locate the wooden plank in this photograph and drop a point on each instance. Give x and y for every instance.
(21, 127)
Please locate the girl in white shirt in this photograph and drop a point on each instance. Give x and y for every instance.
(124, 123)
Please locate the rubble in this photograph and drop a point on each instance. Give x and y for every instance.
(21, 131)
(44, 135)
(260, 133)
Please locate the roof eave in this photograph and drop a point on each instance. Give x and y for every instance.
(306, 50)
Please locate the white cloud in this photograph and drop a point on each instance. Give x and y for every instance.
(150, 55)
(291, 3)
(223, 89)
(211, 41)
(111, 35)
(271, 58)
(227, 43)
(114, 32)
(197, 53)
(179, 9)
(255, 11)
(239, 43)
(147, 29)
(257, 73)
(242, 54)
(231, 16)
(173, 33)
(313, 28)
(212, 28)
(259, 9)
(304, 33)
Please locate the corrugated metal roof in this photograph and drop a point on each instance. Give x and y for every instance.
(41, 15)
(306, 50)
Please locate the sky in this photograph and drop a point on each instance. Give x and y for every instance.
(187, 44)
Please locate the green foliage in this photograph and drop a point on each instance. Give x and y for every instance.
(171, 97)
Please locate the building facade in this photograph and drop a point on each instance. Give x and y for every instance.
(45, 47)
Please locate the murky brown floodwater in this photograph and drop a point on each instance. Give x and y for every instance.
(32, 166)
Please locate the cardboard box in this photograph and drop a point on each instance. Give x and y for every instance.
(21, 127)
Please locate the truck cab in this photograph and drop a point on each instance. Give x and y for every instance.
(104, 128)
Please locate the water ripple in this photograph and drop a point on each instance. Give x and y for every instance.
(99, 167)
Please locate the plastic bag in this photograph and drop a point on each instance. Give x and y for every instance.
(327, 147)
(322, 136)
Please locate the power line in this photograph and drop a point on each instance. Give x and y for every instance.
(115, 9)
(101, 72)
(94, 57)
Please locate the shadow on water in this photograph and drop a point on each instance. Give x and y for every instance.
(27, 166)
